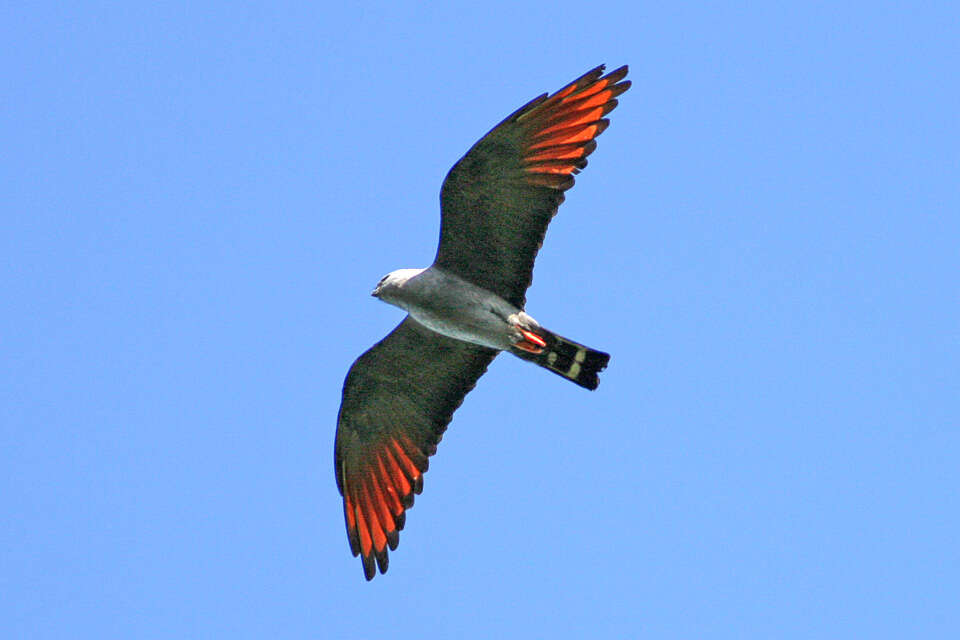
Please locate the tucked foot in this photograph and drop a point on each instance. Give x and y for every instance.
(531, 342)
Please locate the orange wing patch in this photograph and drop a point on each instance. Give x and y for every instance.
(375, 500)
(561, 129)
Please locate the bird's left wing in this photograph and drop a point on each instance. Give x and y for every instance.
(397, 401)
(498, 199)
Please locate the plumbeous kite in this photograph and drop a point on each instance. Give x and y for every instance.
(465, 308)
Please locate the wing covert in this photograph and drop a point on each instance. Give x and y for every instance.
(497, 201)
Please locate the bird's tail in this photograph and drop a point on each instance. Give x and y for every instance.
(566, 358)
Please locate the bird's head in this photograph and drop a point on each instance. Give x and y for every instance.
(390, 285)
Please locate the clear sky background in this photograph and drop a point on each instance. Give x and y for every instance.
(197, 199)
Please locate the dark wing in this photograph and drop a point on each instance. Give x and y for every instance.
(397, 401)
(499, 198)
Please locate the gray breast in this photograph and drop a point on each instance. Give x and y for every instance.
(458, 309)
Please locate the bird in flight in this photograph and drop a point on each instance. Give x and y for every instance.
(465, 308)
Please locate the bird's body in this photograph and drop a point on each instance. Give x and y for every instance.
(454, 307)
(465, 308)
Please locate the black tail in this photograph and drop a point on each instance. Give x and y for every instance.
(566, 358)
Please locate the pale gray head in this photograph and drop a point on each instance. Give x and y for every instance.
(389, 286)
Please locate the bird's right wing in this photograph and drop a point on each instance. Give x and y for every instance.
(397, 401)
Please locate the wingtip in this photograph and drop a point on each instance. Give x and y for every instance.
(618, 73)
(612, 76)
(383, 561)
(369, 567)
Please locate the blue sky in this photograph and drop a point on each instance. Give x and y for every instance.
(199, 197)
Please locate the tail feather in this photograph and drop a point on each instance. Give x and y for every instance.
(566, 358)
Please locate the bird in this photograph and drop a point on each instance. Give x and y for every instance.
(466, 308)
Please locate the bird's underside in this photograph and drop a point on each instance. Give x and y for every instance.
(464, 309)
